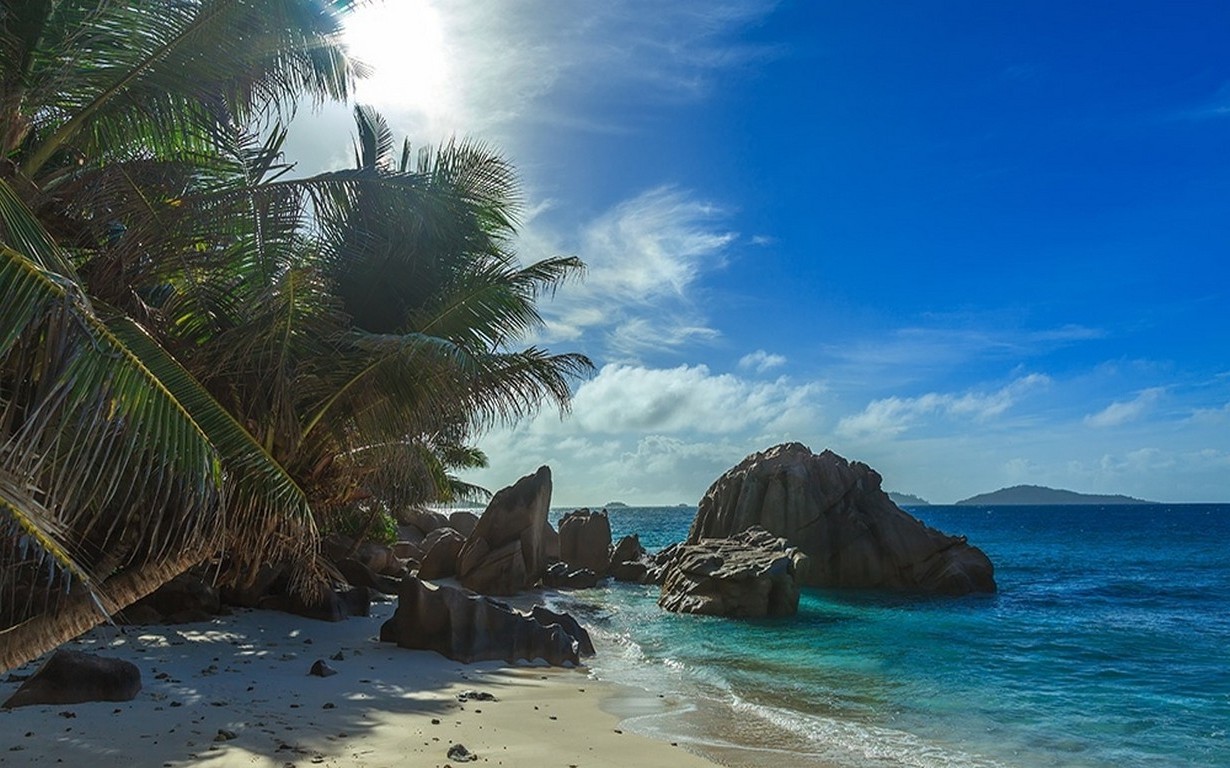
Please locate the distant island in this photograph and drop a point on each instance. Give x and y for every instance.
(1041, 496)
(611, 504)
(907, 500)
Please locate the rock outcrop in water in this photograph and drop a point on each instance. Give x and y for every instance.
(505, 554)
(585, 540)
(751, 574)
(835, 511)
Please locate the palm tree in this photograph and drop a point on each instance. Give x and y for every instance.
(387, 340)
(117, 470)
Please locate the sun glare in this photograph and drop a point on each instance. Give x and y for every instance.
(404, 41)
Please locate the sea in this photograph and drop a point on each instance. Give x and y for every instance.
(1108, 644)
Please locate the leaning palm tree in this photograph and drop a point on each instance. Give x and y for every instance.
(117, 469)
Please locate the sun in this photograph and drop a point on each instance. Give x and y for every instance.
(404, 42)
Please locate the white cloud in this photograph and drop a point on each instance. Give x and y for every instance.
(644, 258)
(1122, 412)
(1212, 415)
(645, 435)
(894, 415)
(624, 398)
(761, 361)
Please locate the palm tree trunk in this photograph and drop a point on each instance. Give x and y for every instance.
(79, 613)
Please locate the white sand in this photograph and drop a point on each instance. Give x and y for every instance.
(247, 675)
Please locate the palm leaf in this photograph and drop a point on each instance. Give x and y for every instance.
(163, 76)
(103, 468)
(267, 516)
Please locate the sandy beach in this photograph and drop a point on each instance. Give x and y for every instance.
(236, 691)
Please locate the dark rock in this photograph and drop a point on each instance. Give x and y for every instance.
(380, 558)
(563, 576)
(628, 550)
(835, 511)
(321, 669)
(635, 572)
(629, 561)
(259, 585)
(409, 533)
(186, 592)
(466, 627)
(505, 555)
(359, 575)
(409, 550)
(138, 613)
(441, 549)
(465, 696)
(463, 522)
(748, 575)
(658, 564)
(459, 753)
(425, 520)
(548, 617)
(585, 540)
(72, 677)
(329, 605)
(357, 600)
(550, 543)
(188, 616)
(336, 547)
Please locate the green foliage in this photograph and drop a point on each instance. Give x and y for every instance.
(371, 524)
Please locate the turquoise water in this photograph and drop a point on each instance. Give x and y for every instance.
(1108, 644)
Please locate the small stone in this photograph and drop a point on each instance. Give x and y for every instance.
(459, 753)
(321, 669)
(475, 696)
(339, 656)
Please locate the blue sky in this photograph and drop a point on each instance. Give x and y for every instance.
(971, 244)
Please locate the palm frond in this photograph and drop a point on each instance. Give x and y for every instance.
(162, 76)
(267, 517)
(103, 468)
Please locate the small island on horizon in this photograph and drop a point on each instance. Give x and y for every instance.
(1037, 495)
(907, 499)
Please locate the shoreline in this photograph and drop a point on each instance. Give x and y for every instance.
(236, 692)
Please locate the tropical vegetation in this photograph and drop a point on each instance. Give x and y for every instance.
(204, 357)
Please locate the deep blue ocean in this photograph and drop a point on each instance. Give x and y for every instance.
(1108, 644)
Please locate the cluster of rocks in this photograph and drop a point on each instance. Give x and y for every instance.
(781, 519)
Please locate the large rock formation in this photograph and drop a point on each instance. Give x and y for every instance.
(505, 554)
(441, 549)
(468, 628)
(751, 574)
(835, 511)
(585, 540)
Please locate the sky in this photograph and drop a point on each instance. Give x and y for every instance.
(971, 244)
